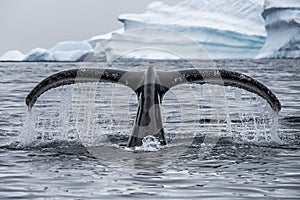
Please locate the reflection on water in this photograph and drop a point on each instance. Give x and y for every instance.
(231, 155)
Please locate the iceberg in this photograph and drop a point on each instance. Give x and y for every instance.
(97, 43)
(283, 29)
(38, 54)
(102, 39)
(13, 55)
(191, 29)
(71, 51)
(226, 29)
(62, 51)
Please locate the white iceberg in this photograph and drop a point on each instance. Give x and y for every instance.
(71, 51)
(38, 54)
(63, 51)
(153, 43)
(225, 29)
(283, 29)
(102, 39)
(13, 55)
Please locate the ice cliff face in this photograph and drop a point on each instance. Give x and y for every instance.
(283, 29)
(224, 28)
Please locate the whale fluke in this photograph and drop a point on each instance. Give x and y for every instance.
(73, 76)
(223, 78)
(150, 88)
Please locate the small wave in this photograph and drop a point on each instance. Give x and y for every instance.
(291, 121)
(57, 148)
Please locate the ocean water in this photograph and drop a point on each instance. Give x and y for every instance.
(224, 143)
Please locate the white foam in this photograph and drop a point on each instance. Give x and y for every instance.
(149, 144)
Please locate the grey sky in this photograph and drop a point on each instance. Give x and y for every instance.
(26, 24)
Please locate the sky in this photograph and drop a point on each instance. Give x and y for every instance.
(27, 24)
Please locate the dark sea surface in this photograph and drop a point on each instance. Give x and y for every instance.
(224, 143)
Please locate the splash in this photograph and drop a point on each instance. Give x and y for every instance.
(50, 122)
(251, 120)
(149, 144)
(84, 115)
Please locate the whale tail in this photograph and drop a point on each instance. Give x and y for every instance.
(150, 88)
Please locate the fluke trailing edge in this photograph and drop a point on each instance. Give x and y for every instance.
(150, 88)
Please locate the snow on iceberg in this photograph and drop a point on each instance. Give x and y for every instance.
(13, 55)
(283, 29)
(225, 28)
(102, 39)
